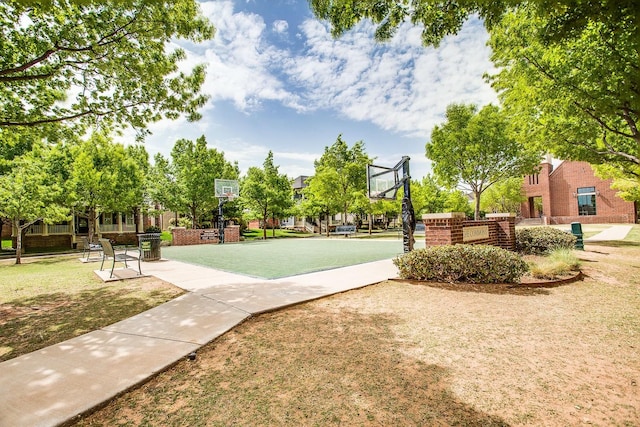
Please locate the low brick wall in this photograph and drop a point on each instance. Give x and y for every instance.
(593, 219)
(453, 228)
(203, 236)
(43, 242)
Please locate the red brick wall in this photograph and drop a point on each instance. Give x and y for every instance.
(39, 241)
(537, 185)
(558, 190)
(182, 236)
(448, 229)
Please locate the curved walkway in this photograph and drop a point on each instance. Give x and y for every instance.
(616, 232)
(51, 386)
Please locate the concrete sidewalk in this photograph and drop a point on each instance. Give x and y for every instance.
(615, 232)
(52, 386)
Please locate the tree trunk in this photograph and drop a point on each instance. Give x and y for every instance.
(193, 217)
(16, 225)
(370, 224)
(92, 223)
(273, 226)
(476, 214)
(265, 216)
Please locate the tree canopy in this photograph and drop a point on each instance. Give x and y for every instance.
(579, 97)
(99, 63)
(443, 18)
(266, 192)
(32, 191)
(475, 148)
(105, 177)
(196, 167)
(340, 177)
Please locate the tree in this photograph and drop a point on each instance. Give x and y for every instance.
(266, 192)
(321, 196)
(163, 185)
(29, 193)
(504, 196)
(569, 76)
(95, 62)
(577, 98)
(440, 19)
(475, 149)
(341, 174)
(197, 167)
(104, 177)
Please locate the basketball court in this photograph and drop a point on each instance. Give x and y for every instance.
(278, 258)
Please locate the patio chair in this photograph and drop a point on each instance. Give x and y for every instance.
(88, 247)
(116, 255)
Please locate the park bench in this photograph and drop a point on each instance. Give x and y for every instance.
(345, 230)
(88, 247)
(117, 255)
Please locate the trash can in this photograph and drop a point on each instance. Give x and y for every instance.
(576, 230)
(149, 245)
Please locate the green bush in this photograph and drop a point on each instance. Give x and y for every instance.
(542, 240)
(559, 262)
(462, 263)
(152, 229)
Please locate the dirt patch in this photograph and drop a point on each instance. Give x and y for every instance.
(400, 354)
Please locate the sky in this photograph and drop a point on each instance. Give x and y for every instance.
(279, 81)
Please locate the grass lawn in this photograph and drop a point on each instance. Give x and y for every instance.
(257, 234)
(48, 300)
(286, 257)
(403, 354)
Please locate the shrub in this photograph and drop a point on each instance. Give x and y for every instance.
(559, 262)
(542, 240)
(462, 263)
(153, 229)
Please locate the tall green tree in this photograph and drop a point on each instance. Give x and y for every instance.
(163, 185)
(31, 192)
(577, 97)
(504, 196)
(474, 148)
(266, 192)
(103, 63)
(565, 18)
(196, 168)
(104, 177)
(568, 69)
(320, 196)
(341, 175)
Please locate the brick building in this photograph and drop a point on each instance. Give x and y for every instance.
(570, 193)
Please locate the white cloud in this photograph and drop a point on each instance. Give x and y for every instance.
(401, 86)
(239, 60)
(280, 26)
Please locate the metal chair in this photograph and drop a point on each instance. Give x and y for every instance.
(88, 247)
(108, 252)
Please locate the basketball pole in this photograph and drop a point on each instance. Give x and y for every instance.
(408, 214)
(221, 201)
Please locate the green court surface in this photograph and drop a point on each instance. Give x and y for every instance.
(285, 257)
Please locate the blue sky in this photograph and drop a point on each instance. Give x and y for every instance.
(278, 81)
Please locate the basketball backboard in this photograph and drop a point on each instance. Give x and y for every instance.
(382, 182)
(227, 188)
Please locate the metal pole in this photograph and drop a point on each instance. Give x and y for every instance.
(408, 215)
(220, 220)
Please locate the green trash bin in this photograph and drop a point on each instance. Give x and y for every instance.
(576, 230)
(149, 245)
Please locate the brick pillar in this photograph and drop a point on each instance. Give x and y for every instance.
(506, 229)
(443, 228)
(232, 234)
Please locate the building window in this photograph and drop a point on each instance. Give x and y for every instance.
(587, 201)
(534, 179)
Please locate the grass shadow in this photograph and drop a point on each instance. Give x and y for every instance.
(271, 370)
(30, 324)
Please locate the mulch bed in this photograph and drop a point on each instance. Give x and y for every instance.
(528, 286)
